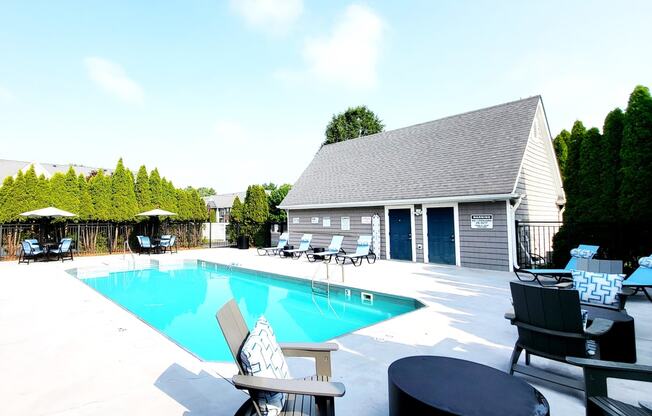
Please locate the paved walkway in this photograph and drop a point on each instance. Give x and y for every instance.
(66, 350)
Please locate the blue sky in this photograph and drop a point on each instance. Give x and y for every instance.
(229, 93)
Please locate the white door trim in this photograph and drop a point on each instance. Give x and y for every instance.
(412, 230)
(456, 225)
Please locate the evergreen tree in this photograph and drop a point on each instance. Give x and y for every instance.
(43, 195)
(169, 197)
(256, 208)
(19, 201)
(31, 190)
(636, 158)
(200, 212)
(125, 205)
(184, 210)
(561, 150)
(71, 192)
(236, 215)
(612, 134)
(86, 211)
(100, 191)
(590, 188)
(143, 193)
(275, 198)
(155, 189)
(6, 203)
(572, 184)
(58, 190)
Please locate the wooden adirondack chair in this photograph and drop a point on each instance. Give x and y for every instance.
(597, 372)
(306, 397)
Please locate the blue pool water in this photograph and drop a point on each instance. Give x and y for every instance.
(182, 302)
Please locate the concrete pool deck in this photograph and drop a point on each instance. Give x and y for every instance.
(67, 350)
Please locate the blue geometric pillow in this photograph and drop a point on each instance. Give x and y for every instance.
(645, 262)
(602, 288)
(262, 356)
(582, 253)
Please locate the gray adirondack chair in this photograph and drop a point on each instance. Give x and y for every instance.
(596, 374)
(306, 397)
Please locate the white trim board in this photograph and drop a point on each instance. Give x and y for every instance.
(456, 229)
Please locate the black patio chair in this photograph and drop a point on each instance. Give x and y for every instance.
(29, 252)
(549, 322)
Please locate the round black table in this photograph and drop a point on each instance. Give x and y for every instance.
(430, 385)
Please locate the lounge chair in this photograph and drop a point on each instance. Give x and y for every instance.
(64, 250)
(532, 275)
(334, 248)
(29, 251)
(362, 251)
(304, 247)
(310, 396)
(145, 244)
(272, 251)
(597, 372)
(168, 243)
(641, 279)
(549, 322)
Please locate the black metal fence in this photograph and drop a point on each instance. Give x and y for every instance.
(96, 238)
(534, 243)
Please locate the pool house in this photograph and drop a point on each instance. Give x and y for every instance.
(447, 191)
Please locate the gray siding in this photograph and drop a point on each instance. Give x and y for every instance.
(418, 230)
(321, 236)
(480, 248)
(537, 178)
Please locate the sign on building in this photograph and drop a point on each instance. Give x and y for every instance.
(482, 221)
(346, 223)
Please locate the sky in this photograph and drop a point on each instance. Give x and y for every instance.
(230, 93)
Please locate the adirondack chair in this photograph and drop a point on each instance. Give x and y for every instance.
(310, 396)
(596, 374)
(549, 322)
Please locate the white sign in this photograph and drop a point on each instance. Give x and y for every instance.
(314, 220)
(484, 221)
(365, 220)
(346, 223)
(327, 221)
(295, 220)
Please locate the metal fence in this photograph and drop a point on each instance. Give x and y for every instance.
(534, 243)
(98, 238)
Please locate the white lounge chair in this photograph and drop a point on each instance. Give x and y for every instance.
(362, 251)
(334, 248)
(272, 251)
(304, 247)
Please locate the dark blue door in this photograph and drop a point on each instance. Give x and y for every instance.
(400, 234)
(441, 236)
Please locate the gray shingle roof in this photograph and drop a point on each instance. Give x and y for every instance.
(11, 168)
(224, 200)
(474, 153)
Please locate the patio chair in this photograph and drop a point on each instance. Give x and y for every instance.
(533, 275)
(309, 396)
(168, 243)
(362, 251)
(641, 279)
(64, 251)
(304, 247)
(334, 248)
(549, 322)
(28, 252)
(597, 397)
(145, 244)
(272, 251)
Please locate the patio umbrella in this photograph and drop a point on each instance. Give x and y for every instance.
(156, 213)
(49, 212)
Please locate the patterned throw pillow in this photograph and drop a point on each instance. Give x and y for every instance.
(581, 253)
(645, 262)
(262, 356)
(600, 288)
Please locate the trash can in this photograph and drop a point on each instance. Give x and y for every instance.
(287, 247)
(318, 250)
(243, 242)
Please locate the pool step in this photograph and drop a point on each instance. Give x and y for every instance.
(321, 287)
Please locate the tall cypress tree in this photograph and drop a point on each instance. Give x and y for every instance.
(125, 205)
(636, 158)
(572, 185)
(43, 195)
(236, 215)
(560, 144)
(19, 199)
(612, 137)
(71, 190)
(31, 190)
(169, 198)
(6, 194)
(58, 190)
(86, 211)
(155, 189)
(590, 171)
(100, 191)
(143, 194)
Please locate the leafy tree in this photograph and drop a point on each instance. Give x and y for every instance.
(155, 189)
(203, 191)
(31, 197)
(200, 212)
(269, 186)
(589, 176)
(275, 198)
(125, 205)
(100, 191)
(169, 197)
(70, 197)
(43, 195)
(572, 185)
(353, 123)
(6, 203)
(237, 211)
(19, 200)
(612, 134)
(255, 213)
(636, 157)
(86, 211)
(561, 149)
(143, 193)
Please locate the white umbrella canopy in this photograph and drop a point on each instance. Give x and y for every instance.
(48, 212)
(156, 213)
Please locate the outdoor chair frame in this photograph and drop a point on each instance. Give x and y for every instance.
(28, 252)
(310, 396)
(333, 249)
(363, 251)
(146, 247)
(64, 251)
(296, 253)
(273, 251)
(170, 245)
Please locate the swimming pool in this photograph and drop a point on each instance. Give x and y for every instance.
(181, 302)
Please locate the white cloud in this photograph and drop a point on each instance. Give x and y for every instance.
(113, 79)
(5, 94)
(348, 55)
(273, 16)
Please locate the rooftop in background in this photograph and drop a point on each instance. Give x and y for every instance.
(12, 167)
(468, 154)
(223, 200)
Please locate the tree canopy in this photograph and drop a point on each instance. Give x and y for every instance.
(351, 124)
